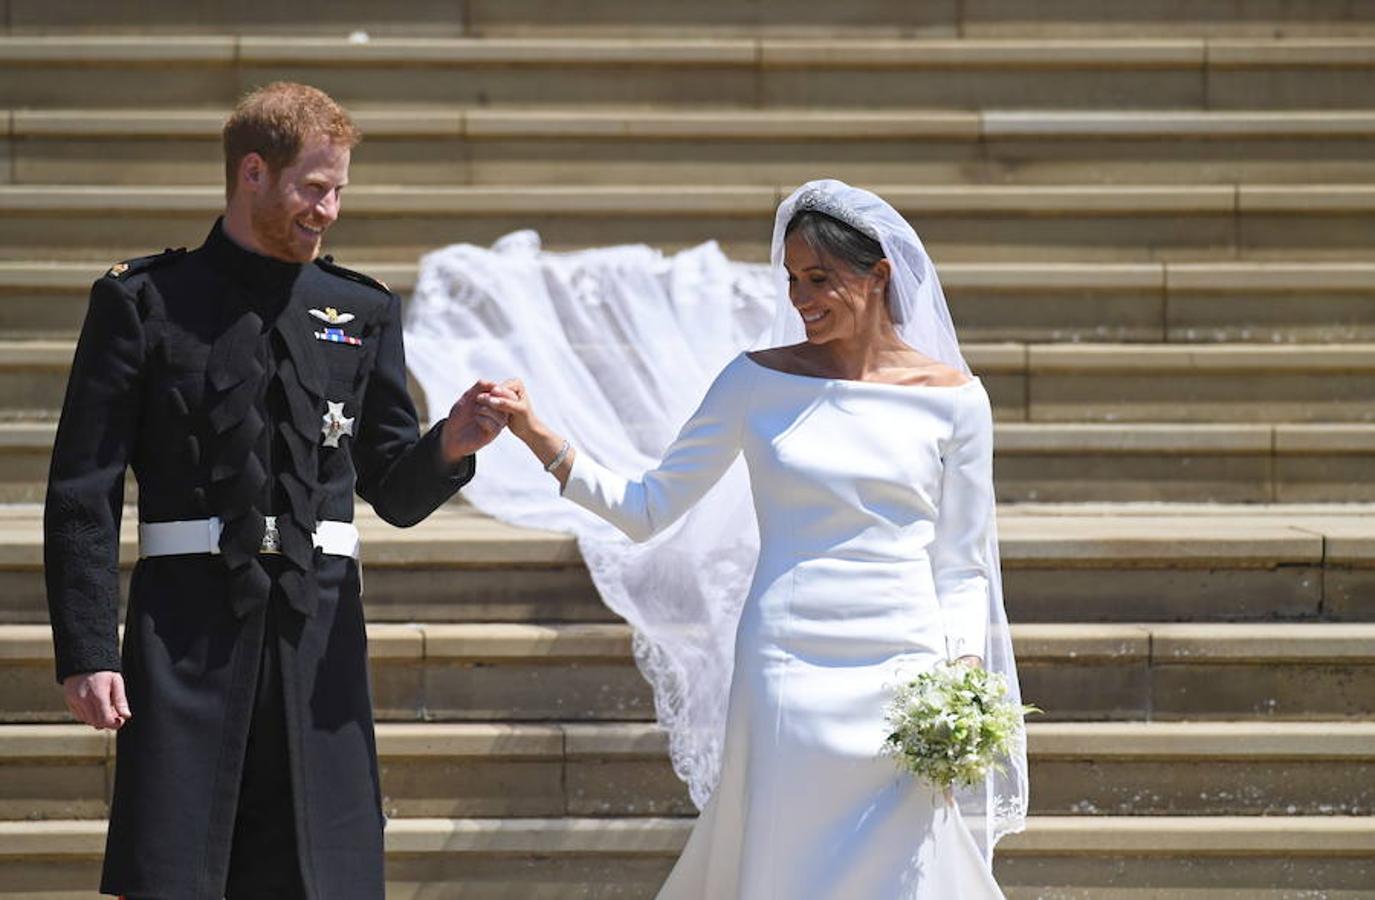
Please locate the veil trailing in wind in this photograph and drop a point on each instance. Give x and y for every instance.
(617, 346)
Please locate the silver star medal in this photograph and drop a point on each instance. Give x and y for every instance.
(336, 424)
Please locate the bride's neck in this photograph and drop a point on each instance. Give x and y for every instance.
(863, 355)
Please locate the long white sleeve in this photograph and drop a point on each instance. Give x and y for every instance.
(959, 552)
(705, 447)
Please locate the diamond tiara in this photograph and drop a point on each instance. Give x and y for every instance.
(817, 200)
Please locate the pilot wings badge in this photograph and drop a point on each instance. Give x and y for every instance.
(332, 316)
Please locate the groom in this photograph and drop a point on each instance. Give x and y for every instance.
(252, 386)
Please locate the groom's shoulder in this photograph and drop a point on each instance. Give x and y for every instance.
(364, 293)
(327, 265)
(129, 270)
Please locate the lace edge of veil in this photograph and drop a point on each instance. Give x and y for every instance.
(697, 766)
(696, 760)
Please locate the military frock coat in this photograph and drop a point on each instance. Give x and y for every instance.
(227, 381)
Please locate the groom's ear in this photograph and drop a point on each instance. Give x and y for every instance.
(253, 173)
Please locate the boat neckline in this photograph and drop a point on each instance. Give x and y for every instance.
(973, 379)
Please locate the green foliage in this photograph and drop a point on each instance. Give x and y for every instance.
(953, 724)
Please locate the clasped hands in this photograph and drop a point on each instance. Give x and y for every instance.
(473, 423)
(478, 416)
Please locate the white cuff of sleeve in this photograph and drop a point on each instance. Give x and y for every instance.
(579, 486)
(966, 623)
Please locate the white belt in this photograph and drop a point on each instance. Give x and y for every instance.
(203, 536)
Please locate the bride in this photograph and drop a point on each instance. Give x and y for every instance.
(869, 452)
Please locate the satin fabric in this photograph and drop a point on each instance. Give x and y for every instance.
(873, 509)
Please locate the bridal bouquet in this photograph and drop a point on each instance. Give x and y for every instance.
(951, 725)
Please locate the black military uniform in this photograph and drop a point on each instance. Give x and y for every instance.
(249, 393)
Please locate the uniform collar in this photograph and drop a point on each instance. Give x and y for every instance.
(263, 285)
(267, 279)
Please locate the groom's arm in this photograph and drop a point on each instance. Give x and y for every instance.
(404, 475)
(85, 497)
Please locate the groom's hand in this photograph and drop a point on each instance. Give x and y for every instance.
(98, 699)
(470, 425)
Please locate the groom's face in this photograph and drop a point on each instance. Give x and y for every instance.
(293, 208)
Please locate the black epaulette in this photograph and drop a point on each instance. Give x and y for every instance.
(144, 263)
(329, 265)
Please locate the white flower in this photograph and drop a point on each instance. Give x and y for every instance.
(952, 724)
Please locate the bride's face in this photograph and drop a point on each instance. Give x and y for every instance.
(834, 301)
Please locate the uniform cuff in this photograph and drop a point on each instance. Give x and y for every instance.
(84, 658)
(456, 475)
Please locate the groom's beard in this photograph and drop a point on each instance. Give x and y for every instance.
(277, 231)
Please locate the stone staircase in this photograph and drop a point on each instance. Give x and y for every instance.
(1153, 221)
(516, 745)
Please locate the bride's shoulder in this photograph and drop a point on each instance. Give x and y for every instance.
(737, 373)
(783, 359)
(923, 371)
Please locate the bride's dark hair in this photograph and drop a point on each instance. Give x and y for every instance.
(832, 237)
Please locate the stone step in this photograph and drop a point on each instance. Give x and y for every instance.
(1294, 512)
(1044, 462)
(962, 223)
(1172, 463)
(622, 769)
(1117, 858)
(1085, 383)
(1202, 858)
(1096, 563)
(67, 70)
(584, 672)
(1174, 302)
(586, 146)
(664, 18)
(1252, 18)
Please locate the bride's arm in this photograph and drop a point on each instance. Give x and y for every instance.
(959, 552)
(705, 447)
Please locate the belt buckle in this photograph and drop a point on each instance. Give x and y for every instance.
(272, 538)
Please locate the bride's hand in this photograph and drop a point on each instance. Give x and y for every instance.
(971, 660)
(512, 400)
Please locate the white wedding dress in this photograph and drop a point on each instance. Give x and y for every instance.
(874, 509)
